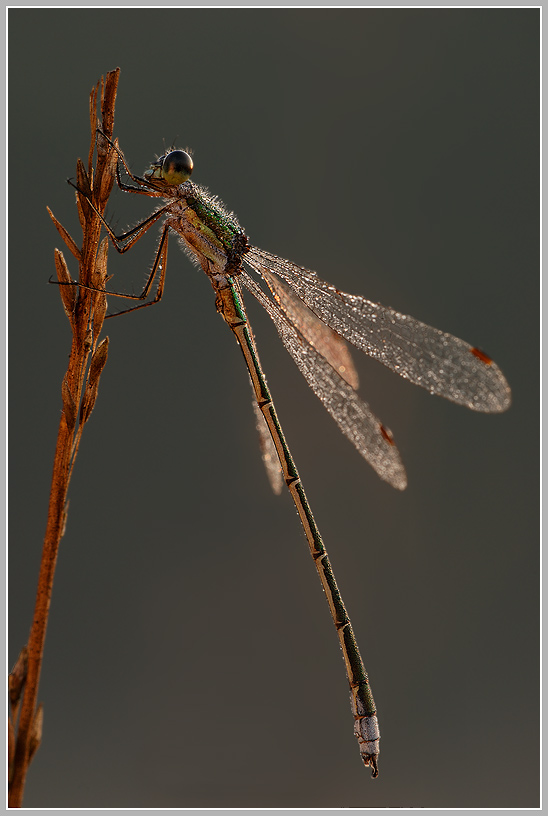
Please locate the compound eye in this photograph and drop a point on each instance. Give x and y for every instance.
(176, 167)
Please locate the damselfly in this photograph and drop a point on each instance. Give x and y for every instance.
(313, 319)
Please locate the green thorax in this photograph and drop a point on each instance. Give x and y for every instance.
(213, 220)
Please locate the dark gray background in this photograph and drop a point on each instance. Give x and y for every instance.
(190, 658)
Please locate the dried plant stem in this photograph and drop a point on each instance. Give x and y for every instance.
(85, 310)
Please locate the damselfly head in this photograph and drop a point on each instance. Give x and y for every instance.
(174, 168)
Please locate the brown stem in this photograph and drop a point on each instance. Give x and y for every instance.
(85, 311)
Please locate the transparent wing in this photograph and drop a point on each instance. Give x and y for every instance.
(355, 419)
(325, 340)
(439, 362)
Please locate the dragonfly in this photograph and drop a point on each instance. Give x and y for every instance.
(314, 320)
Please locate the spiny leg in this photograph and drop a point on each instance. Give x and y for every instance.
(134, 234)
(160, 263)
(127, 239)
(127, 187)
